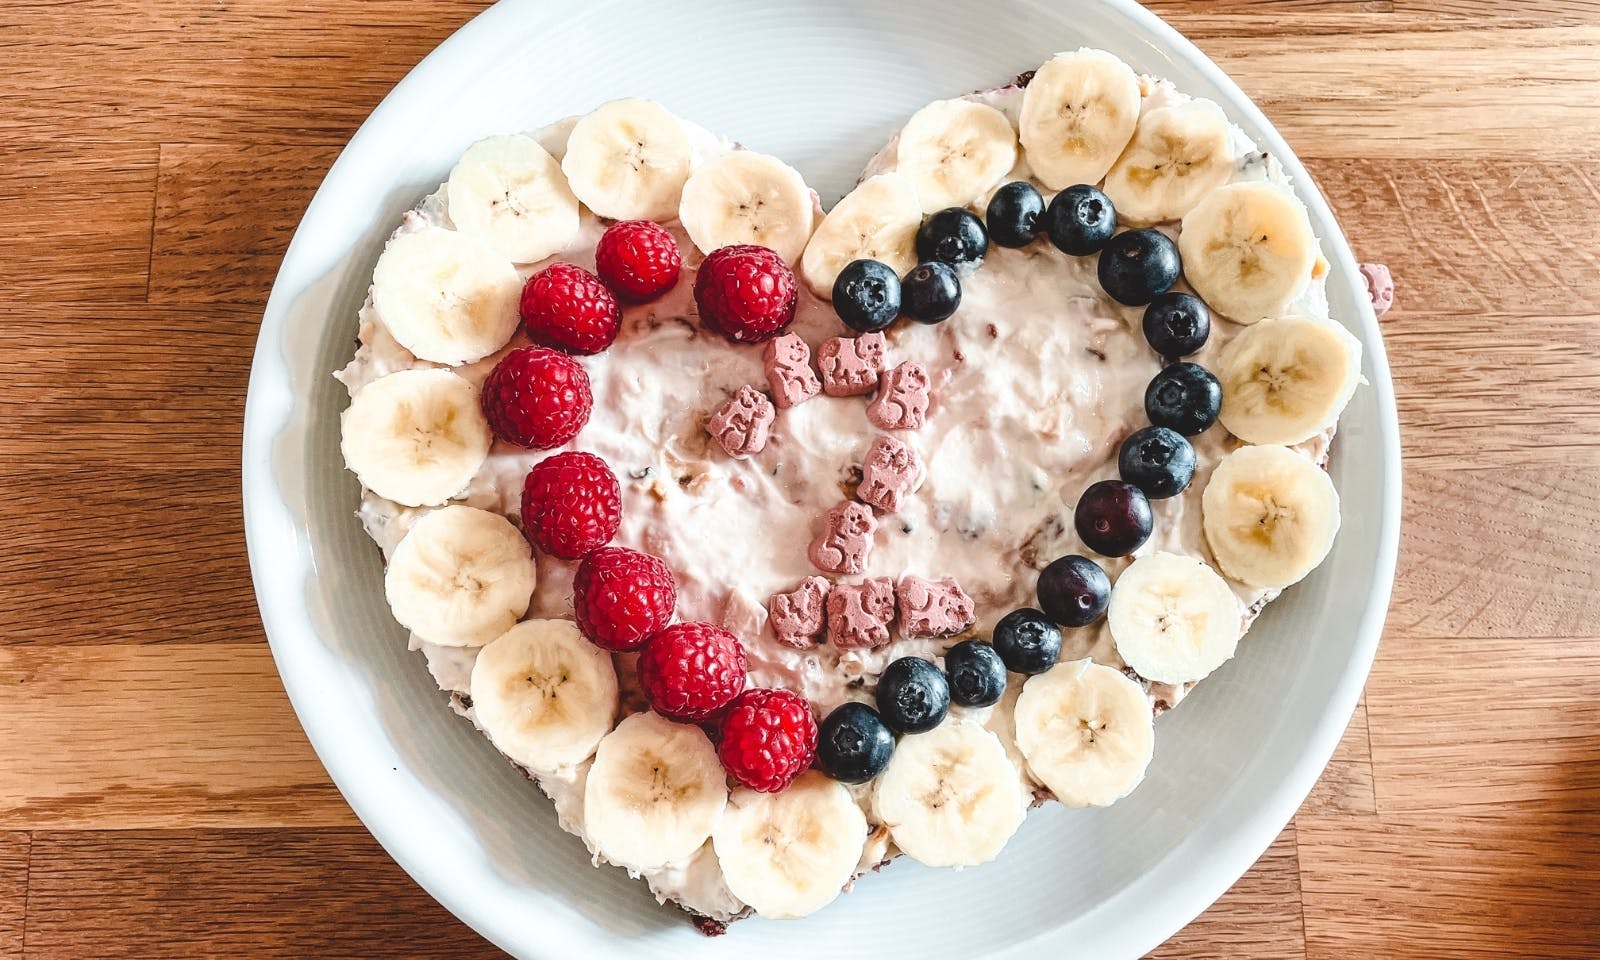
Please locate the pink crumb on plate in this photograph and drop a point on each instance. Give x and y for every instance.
(1380, 286)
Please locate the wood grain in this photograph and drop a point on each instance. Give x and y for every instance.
(167, 397)
(1497, 553)
(129, 737)
(79, 216)
(1516, 883)
(78, 536)
(14, 855)
(1438, 87)
(232, 893)
(155, 156)
(1496, 238)
(1522, 716)
(177, 71)
(1506, 358)
(225, 216)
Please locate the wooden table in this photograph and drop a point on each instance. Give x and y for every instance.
(157, 798)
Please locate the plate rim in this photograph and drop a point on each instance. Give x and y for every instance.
(268, 406)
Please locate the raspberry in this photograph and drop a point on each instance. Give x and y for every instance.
(566, 307)
(536, 398)
(571, 504)
(768, 738)
(745, 292)
(690, 671)
(638, 260)
(622, 597)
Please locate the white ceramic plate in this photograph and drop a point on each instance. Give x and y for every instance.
(821, 84)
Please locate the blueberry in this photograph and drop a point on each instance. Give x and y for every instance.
(1073, 591)
(954, 236)
(931, 292)
(1158, 461)
(1113, 518)
(866, 295)
(1080, 220)
(1184, 397)
(976, 672)
(1138, 266)
(853, 743)
(1027, 641)
(1015, 214)
(913, 695)
(1177, 324)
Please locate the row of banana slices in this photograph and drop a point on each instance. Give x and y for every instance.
(1247, 248)
(655, 792)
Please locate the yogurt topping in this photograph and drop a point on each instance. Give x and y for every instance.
(1033, 384)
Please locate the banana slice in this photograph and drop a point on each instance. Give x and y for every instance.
(1078, 112)
(1287, 380)
(790, 854)
(1178, 155)
(878, 220)
(628, 160)
(544, 694)
(1270, 516)
(416, 437)
(1087, 731)
(747, 197)
(510, 193)
(1248, 249)
(460, 577)
(654, 794)
(953, 151)
(1173, 618)
(447, 297)
(950, 797)
(552, 137)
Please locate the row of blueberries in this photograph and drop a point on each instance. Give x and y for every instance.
(1140, 267)
(1113, 517)
(1135, 268)
(856, 741)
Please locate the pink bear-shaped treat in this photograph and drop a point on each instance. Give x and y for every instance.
(1380, 286)
(892, 470)
(798, 616)
(859, 614)
(846, 538)
(902, 400)
(851, 365)
(932, 608)
(788, 365)
(741, 424)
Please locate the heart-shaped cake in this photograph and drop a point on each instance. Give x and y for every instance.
(774, 543)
